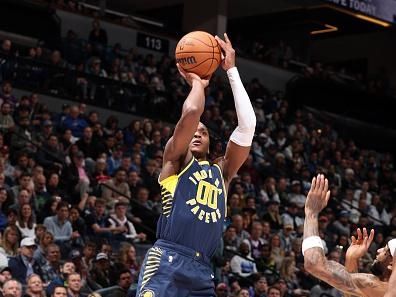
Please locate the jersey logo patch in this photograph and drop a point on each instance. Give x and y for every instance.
(204, 205)
(147, 293)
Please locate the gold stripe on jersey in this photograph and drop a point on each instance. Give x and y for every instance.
(168, 187)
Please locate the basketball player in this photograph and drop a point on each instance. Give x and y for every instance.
(194, 193)
(331, 272)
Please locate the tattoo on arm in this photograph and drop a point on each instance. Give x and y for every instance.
(337, 276)
(311, 226)
(351, 265)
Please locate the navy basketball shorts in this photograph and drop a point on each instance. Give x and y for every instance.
(170, 269)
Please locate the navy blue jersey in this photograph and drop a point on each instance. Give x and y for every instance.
(193, 207)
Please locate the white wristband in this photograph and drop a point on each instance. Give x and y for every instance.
(392, 246)
(311, 242)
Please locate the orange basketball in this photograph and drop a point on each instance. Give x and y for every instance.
(198, 52)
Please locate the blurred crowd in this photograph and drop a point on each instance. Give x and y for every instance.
(79, 197)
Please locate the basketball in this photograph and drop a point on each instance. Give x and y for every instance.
(198, 52)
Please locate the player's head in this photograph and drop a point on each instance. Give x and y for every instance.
(383, 260)
(199, 145)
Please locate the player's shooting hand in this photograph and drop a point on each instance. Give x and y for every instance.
(360, 245)
(229, 52)
(192, 78)
(318, 195)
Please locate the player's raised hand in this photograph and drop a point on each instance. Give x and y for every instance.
(360, 245)
(192, 77)
(318, 195)
(229, 52)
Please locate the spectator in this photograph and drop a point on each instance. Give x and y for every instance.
(127, 257)
(40, 253)
(67, 268)
(88, 256)
(243, 265)
(13, 288)
(273, 216)
(341, 226)
(26, 221)
(6, 94)
(277, 254)
(24, 197)
(274, 292)
(9, 243)
(296, 196)
(88, 145)
(59, 291)
(6, 121)
(243, 293)
(146, 209)
(100, 173)
(5, 272)
(221, 290)
(59, 225)
(292, 216)
(97, 222)
(78, 227)
(77, 177)
(286, 237)
(260, 287)
(256, 242)
(51, 268)
(100, 272)
(122, 288)
(74, 123)
(119, 219)
(23, 265)
(25, 183)
(231, 242)
(74, 284)
(3, 217)
(134, 182)
(98, 36)
(237, 222)
(116, 188)
(51, 156)
(35, 286)
(22, 140)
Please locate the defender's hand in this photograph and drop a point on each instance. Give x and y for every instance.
(360, 245)
(318, 195)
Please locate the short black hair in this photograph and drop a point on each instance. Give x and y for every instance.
(61, 205)
(57, 286)
(122, 271)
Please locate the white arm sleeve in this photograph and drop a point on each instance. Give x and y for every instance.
(244, 132)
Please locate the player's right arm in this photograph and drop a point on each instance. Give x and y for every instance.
(315, 261)
(176, 152)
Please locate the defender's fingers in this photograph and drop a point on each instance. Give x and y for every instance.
(359, 234)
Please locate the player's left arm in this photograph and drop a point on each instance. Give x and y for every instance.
(241, 139)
